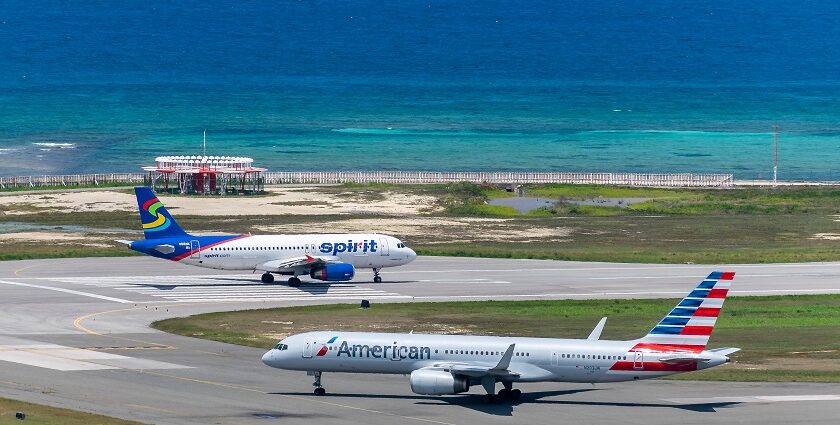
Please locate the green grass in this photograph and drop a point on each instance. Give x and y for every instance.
(781, 337)
(595, 191)
(37, 414)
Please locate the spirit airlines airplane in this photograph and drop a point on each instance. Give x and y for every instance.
(327, 257)
(450, 364)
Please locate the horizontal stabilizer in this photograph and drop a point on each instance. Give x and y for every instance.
(125, 242)
(165, 248)
(683, 358)
(725, 351)
(596, 333)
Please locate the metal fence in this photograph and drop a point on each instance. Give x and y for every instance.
(418, 177)
(624, 179)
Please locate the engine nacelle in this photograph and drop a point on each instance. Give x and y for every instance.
(438, 382)
(333, 272)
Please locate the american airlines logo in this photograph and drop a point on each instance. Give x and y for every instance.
(393, 352)
(350, 246)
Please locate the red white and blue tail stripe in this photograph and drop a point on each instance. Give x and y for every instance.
(688, 326)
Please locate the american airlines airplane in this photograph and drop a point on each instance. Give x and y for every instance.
(451, 364)
(326, 257)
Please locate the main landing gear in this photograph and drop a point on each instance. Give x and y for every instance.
(505, 394)
(269, 278)
(319, 390)
(376, 277)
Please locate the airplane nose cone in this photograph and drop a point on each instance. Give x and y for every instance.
(411, 256)
(268, 357)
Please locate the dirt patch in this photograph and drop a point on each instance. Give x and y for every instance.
(54, 238)
(826, 236)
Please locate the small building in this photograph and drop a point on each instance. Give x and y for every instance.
(206, 175)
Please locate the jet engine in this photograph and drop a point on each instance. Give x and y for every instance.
(438, 382)
(333, 272)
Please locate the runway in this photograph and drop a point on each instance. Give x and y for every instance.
(74, 333)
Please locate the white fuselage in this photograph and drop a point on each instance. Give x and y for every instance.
(260, 252)
(535, 359)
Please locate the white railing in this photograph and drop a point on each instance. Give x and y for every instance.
(423, 177)
(414, 177)
(70, 180)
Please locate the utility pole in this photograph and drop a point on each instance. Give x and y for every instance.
(775, 155)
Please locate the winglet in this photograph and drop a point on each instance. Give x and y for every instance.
(504, 363)
(596, 333)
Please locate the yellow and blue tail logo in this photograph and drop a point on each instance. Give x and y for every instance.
(156, 221)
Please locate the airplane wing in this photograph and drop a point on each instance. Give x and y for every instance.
(302, 262)
(480, 369)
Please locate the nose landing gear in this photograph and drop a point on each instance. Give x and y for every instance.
(376, 277)
(319, 390)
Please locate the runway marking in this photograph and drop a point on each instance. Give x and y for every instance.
(755, 399)
(17, 272)
(305, 399)
(156, 409)
(227, 288)
(68, 291)
(64, 358)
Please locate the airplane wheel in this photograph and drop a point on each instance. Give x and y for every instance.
(320, 391)
(504, 393)
(294, 282)
(267, 278)
(377, 279)
(515, 394)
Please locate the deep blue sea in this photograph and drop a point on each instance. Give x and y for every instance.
(654, 86)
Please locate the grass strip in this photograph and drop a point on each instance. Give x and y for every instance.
(38, 414)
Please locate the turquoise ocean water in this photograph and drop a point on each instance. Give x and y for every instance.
(601, 86)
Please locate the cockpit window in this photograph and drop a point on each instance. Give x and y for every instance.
(281, 347)
(400, 245)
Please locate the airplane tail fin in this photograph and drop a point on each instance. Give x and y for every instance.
(157, 222)
(688, 326)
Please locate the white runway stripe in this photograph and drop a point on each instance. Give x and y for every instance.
(227, 288)
(67, 291)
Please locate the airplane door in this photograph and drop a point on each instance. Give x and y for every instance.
(194, 249)
(638, 360)
(383, 247)
(554, 359)
(308, 249)
(307, 347)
